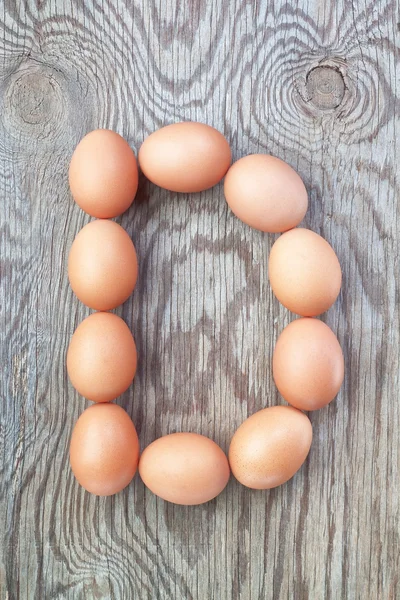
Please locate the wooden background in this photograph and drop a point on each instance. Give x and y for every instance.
(313, 82)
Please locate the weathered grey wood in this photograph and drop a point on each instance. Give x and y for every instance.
(315, 83)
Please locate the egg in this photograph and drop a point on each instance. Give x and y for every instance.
(266, 193)
(101, 358)
(270, 447)
(102, 265)
(103, 174)
(184, 468)
(185, 157)
(308, 364)
(304, 272)
(104, 450)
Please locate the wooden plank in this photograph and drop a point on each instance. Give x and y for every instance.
(314, 83)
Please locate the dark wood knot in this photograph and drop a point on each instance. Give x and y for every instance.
(34, 98)
(325, 87)
(34, 101)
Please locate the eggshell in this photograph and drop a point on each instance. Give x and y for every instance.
(103, 174)
(270, 447)
(184, 468)
(308, 364)
(101, 358)
(185, 157)
(266, 193)
(102, 266)
(304, 272)
(104, 451)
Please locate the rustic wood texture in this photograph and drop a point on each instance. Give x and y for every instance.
(313, 82)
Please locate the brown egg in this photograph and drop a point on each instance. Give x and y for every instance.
(184, 468)
(266, 193)
(270, 446)
(104, 451)
(102, 266)
(103, 174)
(308, 364)
(101, 359)
(185, 157)
(304, 272)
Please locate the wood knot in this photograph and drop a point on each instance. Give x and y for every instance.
(34, 97)
(33, 101)
(325, 87)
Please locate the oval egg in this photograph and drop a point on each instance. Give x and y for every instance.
(270, 447)
(266, 193)
(184, 468)
(102, 265)
(101, 358)
(103, 174)
(104, 450)
(304, 272)
(185, 157)
(308, 365)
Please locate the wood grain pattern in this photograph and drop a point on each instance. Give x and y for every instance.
(315, 83)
